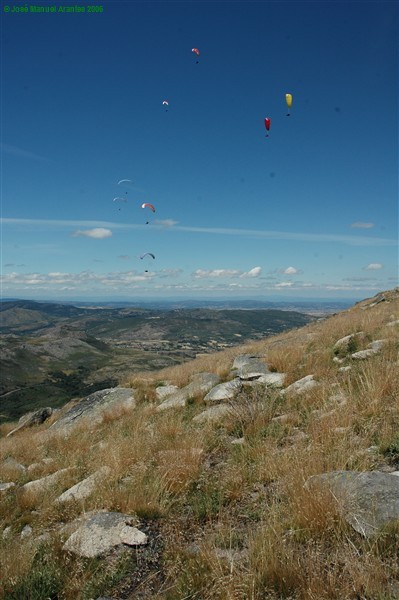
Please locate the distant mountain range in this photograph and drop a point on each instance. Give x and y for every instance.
(51, 352)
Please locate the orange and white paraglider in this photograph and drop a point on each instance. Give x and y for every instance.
(150, 206)
(267, 125)
(197, 52)
(288, 99)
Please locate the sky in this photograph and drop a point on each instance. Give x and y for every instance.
(311, 211)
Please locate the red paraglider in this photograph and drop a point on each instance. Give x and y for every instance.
(197, 52)
(267, 125)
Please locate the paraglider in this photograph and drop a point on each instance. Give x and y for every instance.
(150, 206)
(119, 199)
(166, 104)
(288, 99)
(267, 125)
(197, 52)
(147, 254)
(125, 182)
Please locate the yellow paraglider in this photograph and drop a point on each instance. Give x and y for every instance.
(288, 99)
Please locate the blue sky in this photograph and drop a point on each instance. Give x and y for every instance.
(310, 211)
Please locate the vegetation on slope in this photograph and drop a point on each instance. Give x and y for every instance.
(226, 521)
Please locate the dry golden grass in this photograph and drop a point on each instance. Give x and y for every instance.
(283, 540)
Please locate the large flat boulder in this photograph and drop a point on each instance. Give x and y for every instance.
(224, 391)
(99, 533)
(368, 500)
(93, 407)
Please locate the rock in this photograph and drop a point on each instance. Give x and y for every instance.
(272, 379)
(302, 385)
(101, 532)
(201, 384)
(372, 349)
(6, 532)
(393, 323)
(253, 370)
(224, 391)
(10, 464)
(33, 418)
(348, 344)
(368, 500)
(45, 483)
(84, 488)
(93, 407)
(4, 487)
(163, 391)
(213, 414)
(26, 532)
(244, 359)
(238, 441)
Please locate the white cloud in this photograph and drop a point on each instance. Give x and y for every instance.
(249, 233)
(165, 222)
(202, 273)
(98, 233)
(362, 225)
(290, 271)
(284, 284)
(255, 272)
(374, 267)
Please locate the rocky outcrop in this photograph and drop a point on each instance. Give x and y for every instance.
(99, 533)
(93, 407)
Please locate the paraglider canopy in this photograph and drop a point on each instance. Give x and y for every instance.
(148, 205)
(125, 182)
(197, 52)
(267, 125)
(288, 99)
(147, 254)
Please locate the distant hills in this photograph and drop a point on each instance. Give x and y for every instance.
(52, 352)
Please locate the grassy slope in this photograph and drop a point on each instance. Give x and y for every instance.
(226, 521)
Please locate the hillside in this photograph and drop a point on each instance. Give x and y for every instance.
(264, 471)
(61, 351)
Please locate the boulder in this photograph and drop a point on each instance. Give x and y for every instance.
(32, 418)
(163, 391)
(45, 483)
(349, 343)
(213, 414)
(253, 369)
(224, 391)
(272, 379)
(201, 384)
(302, 385)
(368, 501)
(84, 488)
(100, 532)
(372, 349)
(244, 359)
(93, 407)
